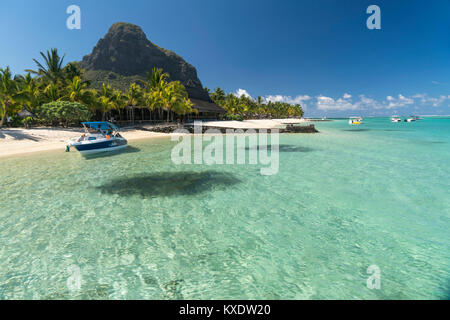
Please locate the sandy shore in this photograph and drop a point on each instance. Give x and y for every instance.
(24, 141)
(16, 141)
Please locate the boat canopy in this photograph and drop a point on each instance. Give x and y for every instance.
(100, 125)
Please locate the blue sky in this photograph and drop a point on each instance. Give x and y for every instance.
(317, 52)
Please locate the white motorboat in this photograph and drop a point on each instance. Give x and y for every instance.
(355, 120)
(98, 137)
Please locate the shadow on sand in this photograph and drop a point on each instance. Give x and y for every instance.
(285, 148)
(17, 135)
(169, 184)
(128, 149)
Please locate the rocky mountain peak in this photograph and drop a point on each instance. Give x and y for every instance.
(126, 53)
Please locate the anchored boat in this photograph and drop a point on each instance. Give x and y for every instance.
(396, 119)
(98, 137)
(355, 120)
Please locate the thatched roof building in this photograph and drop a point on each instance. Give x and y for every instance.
(207, 108)
(24, 113)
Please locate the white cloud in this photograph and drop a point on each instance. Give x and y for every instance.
(419, 95)
(401, 101)
(431, 101)
(300, 99)
(275, 98)
(327, 103)
(241, 92)
(366, 103)
(347, 96)
(287, 99)
(439, 83)
(361, 102)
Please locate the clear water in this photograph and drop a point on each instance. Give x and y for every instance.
(136, 226)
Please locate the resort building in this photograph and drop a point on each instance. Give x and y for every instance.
(206, 110)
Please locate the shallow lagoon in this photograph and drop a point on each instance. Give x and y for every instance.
(136, 226)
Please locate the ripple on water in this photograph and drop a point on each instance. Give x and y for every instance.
(139, 227)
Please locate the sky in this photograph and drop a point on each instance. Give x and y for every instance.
(318, 53)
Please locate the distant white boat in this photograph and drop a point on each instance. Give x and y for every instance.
(411, 119)
(396, 119)
(355, 120)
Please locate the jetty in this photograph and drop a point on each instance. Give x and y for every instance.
(171, 127)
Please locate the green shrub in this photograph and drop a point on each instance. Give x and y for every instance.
(236, 117)
(63, 112)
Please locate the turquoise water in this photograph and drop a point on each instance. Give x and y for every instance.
(136, 226)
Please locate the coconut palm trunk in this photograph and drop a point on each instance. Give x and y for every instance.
(2, 121)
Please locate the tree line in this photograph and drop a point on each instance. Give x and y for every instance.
(59, 94)
(244, 107)
(53, 89)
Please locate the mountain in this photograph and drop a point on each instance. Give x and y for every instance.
(125, 55)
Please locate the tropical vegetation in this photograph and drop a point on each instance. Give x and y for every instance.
(58, 94)
(245, 107)
(63, 112)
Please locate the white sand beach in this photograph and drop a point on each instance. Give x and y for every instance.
(16, 141)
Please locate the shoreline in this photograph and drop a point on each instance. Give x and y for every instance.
(21, 141)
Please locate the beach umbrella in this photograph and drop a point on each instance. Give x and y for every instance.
(25, 113)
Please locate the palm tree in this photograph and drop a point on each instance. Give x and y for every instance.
(231, 104)
(218, 96)
(53, 92)
(105, 105)
(9, 94)
(153, 100)
(259, 101)
(30, 91)
(76, 91)
(52, 69)
(104, 100)
(156, 79)
(154, 85)
(175, 98)
(134, 97)
(71, 70)
(119, 100)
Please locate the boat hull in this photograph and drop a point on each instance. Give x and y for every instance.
(102, 146)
